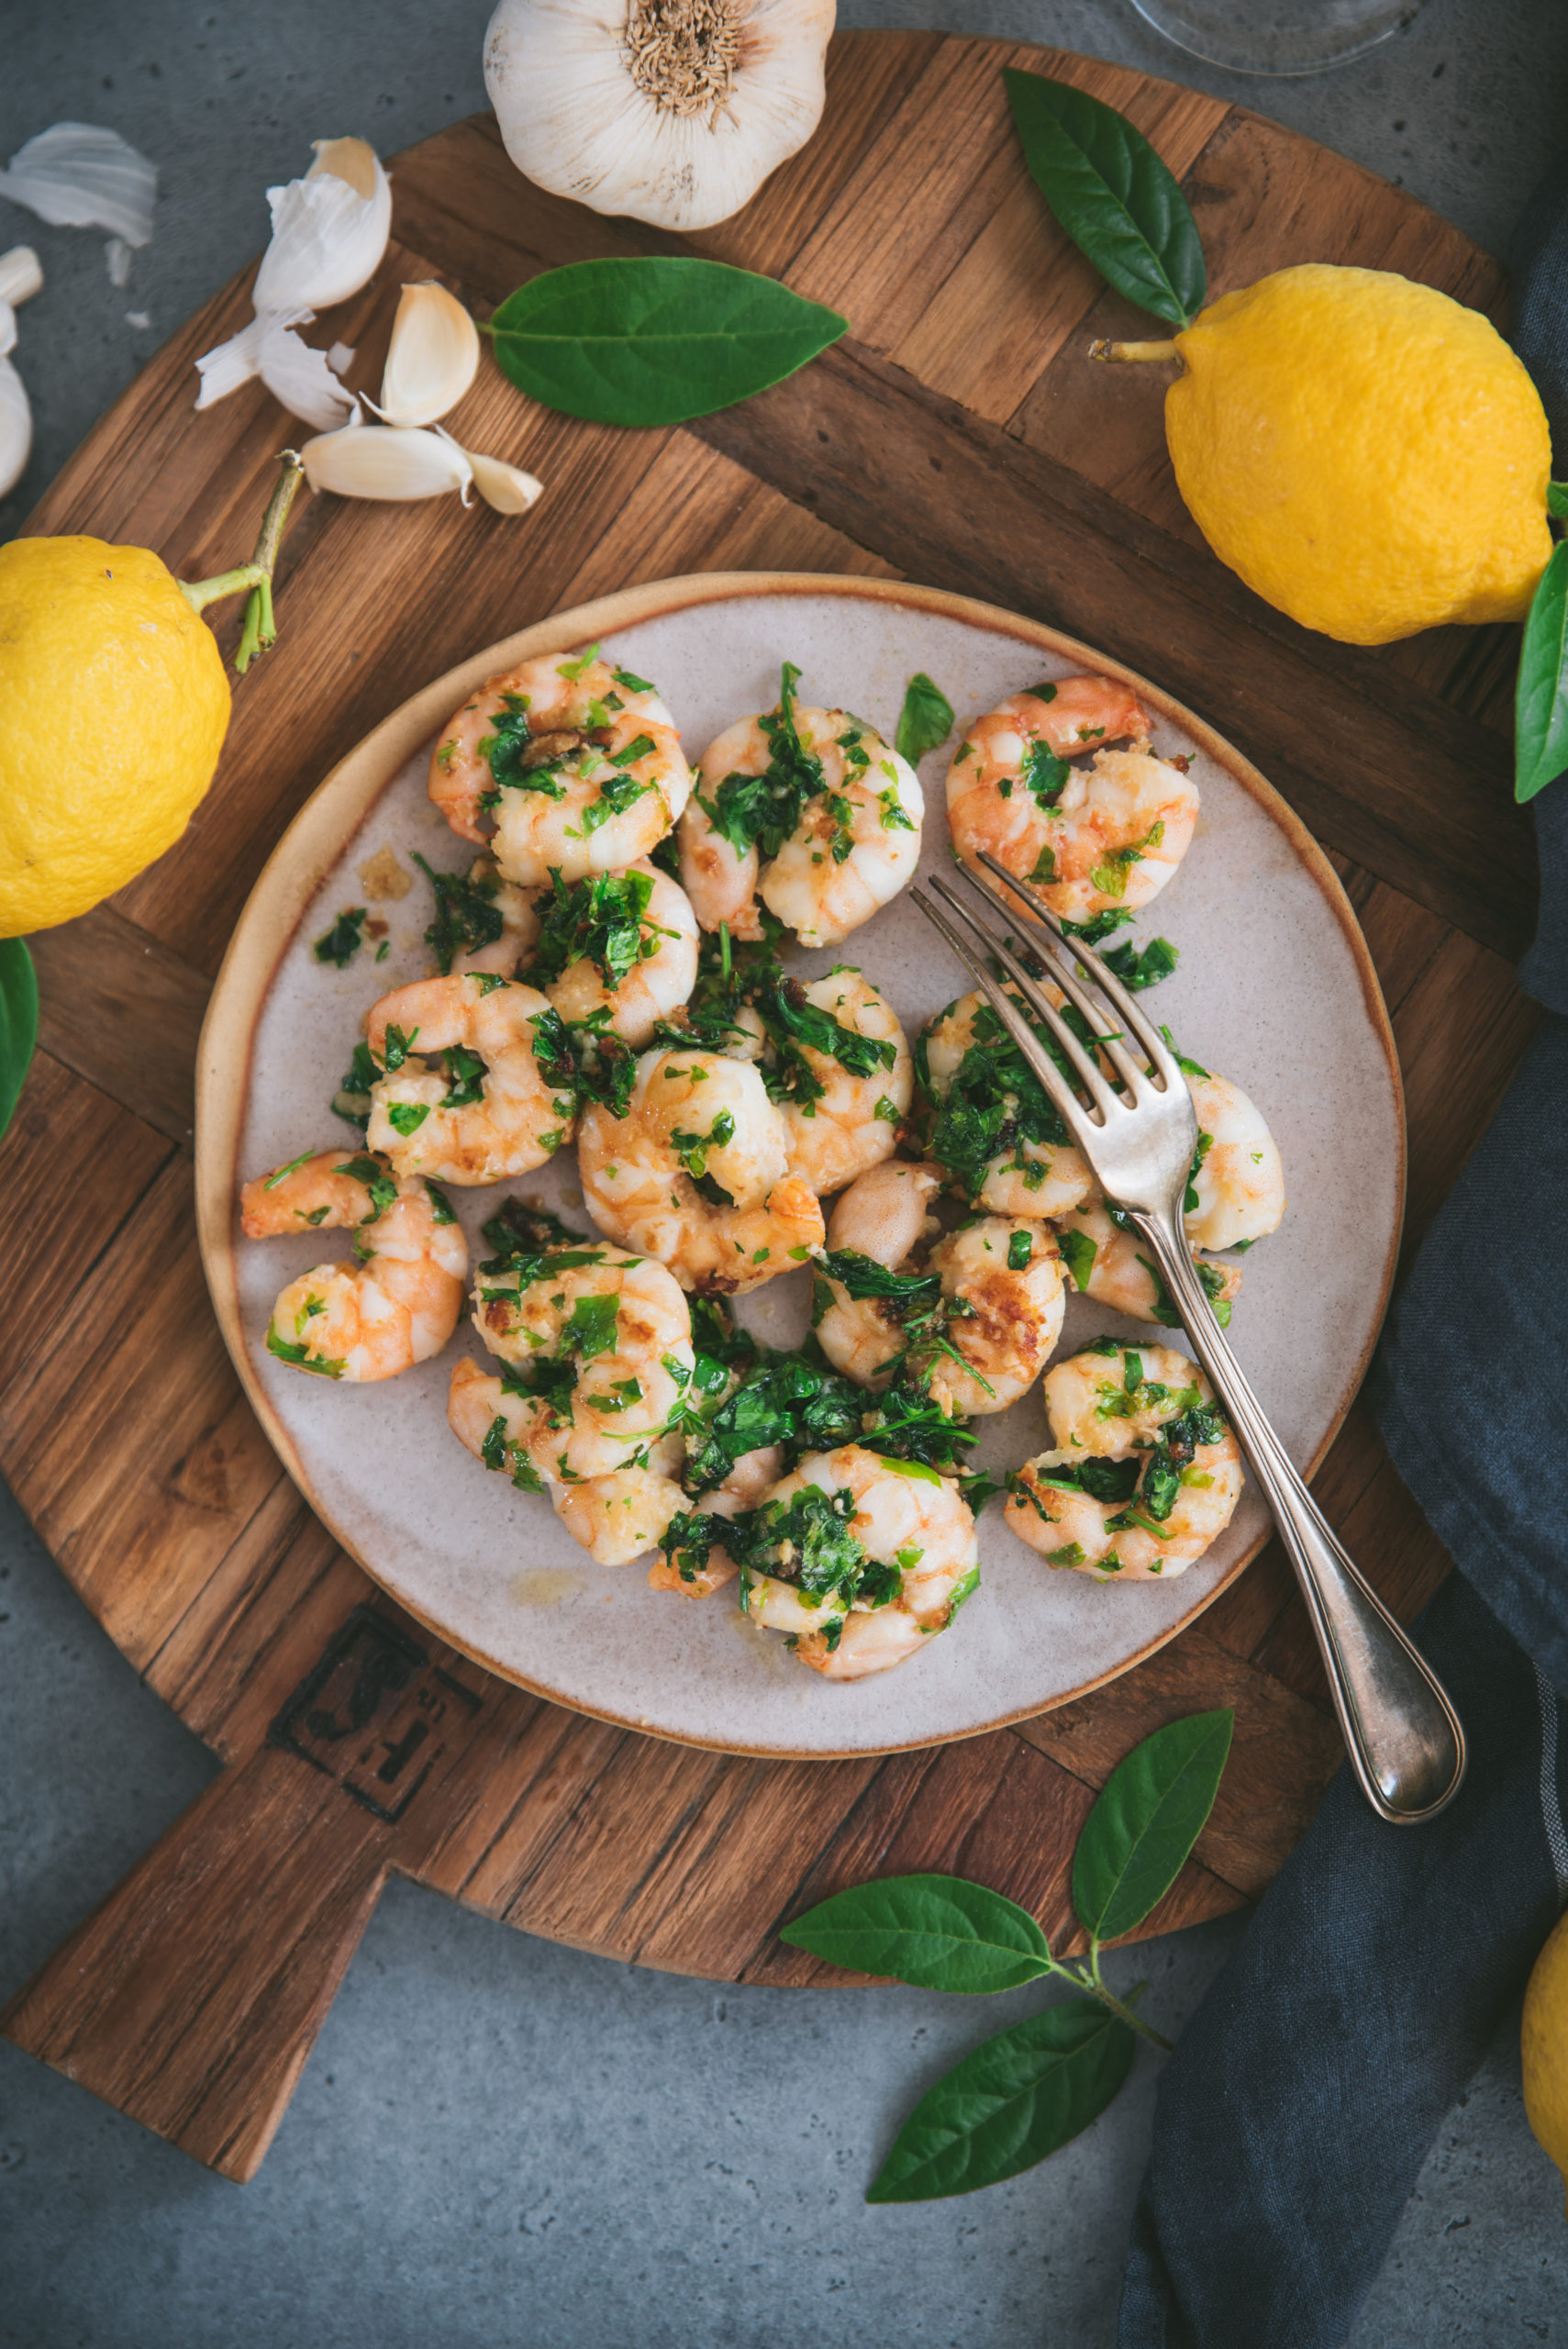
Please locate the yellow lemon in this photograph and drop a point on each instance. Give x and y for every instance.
(1369, 455)
(1543, 2047)
(115, 705)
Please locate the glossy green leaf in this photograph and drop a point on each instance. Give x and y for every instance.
(1557, 499)
(1017, 2099)
(654, 341)
(1112, 195)
(1146, 1821)
(18, 1022)
(940, 1933)
(925, 720)
(1540, 694)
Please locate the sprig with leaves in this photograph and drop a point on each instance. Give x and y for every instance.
(1124, 211)
(1025, 2093)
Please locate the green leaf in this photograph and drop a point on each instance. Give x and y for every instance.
(925, 720)
(18, 1022)
(1557, 499)
(1112, 195)
(1017, 2099)
(940, 1932)
(654, 341)
(1146, 1821)
(1541, 697)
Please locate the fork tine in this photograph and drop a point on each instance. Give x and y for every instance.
(1089, 1074)
(1078, 1123)
(1133, 1018)
(1132, 1073)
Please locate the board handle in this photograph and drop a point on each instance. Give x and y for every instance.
(191, 1997)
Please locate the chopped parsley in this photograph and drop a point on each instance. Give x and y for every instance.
(925, 721)
(1020, 1251)
(467, 916)
(763, 810)
(1078, 1254)
(994, 1104)
(600, 921)
(343, 941)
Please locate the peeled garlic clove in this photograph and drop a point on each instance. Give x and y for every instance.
(20, 276)
(330, 230)
(386, 461)
(505, 487)
(16, 426)
(433, 359)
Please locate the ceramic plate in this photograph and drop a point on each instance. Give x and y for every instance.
(1274, 990)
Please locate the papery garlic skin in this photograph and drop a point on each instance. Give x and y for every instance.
(384, 461)
(78, 175)
(433, 359)
(330, 232)
(673, 111)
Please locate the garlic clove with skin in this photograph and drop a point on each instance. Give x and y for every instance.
(433, 359)
(20, 275)
(673, 111)
(388, 461)
(330, 232)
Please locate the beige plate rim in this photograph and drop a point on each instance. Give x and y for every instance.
(340, 804)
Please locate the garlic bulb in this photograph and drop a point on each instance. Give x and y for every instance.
(386, 461)
(330, 231)
(434, 356)
(673, 111)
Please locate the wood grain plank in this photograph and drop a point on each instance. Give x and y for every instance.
(120, 1009)
(853, 438)
(124, 1434)
(54, 1233)
(1282, 1754)
(1261, 195)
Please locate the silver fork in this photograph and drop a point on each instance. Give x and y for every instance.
(1138, 1137)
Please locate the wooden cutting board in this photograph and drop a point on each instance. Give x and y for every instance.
(960, 437)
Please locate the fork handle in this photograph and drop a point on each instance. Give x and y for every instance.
(1403, 1736)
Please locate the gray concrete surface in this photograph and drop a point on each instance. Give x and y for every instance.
(497, 2142)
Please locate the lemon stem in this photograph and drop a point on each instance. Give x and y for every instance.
(1116, 353)
(261, 627)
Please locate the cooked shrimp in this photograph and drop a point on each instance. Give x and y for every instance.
(1113, 1263)
(615, 1518)
(622, 1516)
(995, 1128)
(579, 763)
(744, 1486)
(397, 1302)
(1145, 1474)
(696, 1175)
(504, 1102)
(1002, 1282)
(842, 1112)
(991, 1292)
(1091, 839)
(1240, 1181)
(602, 1350)
(869, 1558)
(810, 805)
(618, 952)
